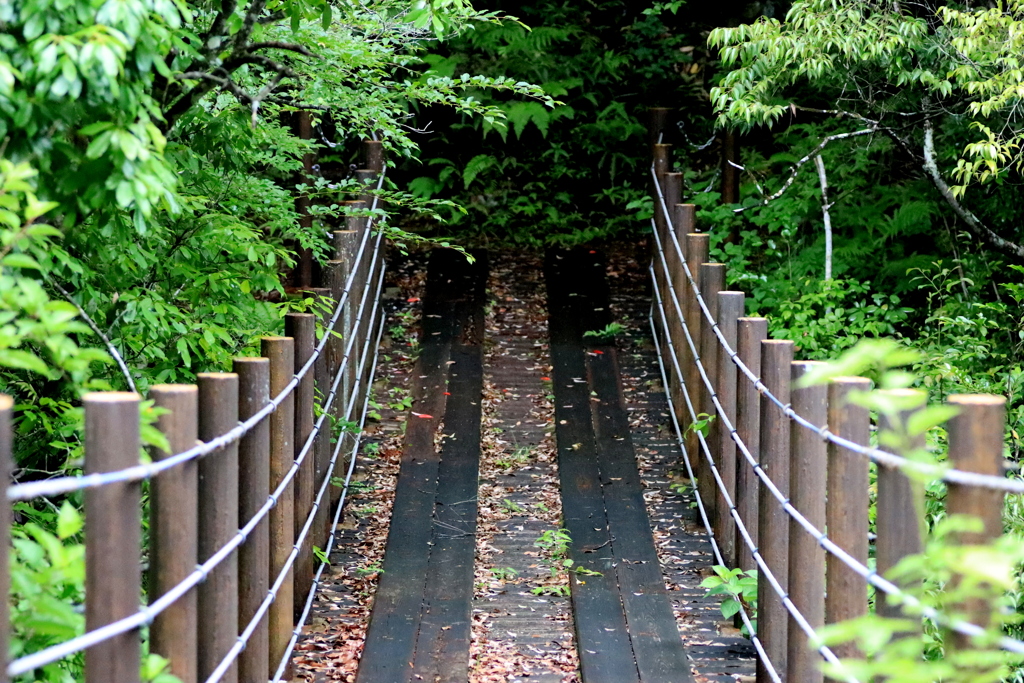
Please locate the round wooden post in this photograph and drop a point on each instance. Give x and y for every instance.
(696, 250)
(673, 187)
(684, 225)
(750, 333)
(174, 530)
(898, 520)
(253, 491)
(6, 469)
(657, 122)
(846, 511)
(773, 522)
(218, 522)
(302, 328)
(807, 482)
(730, 308)
(730, 174)
(373, 150)
(976, 445)
(712, 281)
(662, 155)
(113, 514)
(324, 377)
(281, 353)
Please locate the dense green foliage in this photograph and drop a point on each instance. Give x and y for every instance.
(152, 162)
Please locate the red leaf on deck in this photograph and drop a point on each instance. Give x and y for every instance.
(412, 299)
(545, 379)
(447, 393)
(598, 352)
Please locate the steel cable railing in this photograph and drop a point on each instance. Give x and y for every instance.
(891, 460)
(283, 665)
(147, 614)
(68, 484)
(868, 574)
(282, 576)
(766, 571)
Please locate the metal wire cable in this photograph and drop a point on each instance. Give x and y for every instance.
(283, 665)
(870, 575)
(751, 629)
(146, 614)
(766, 571)
(67, 484)
(884, 458)
(250, 628)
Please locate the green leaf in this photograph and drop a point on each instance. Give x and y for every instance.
(17, 260)
(69, 521)
(23, 360)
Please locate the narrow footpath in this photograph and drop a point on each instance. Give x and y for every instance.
(534, 533)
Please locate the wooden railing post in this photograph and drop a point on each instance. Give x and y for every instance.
(281, 353)
(253, 491)
(773, 522)
(374, 152)
(846, 512)
(750, 332)
(898, 521)
(712, 281)
(302, 328)
(218, 523)
(6, 470)
(685, 220)
(730, 308)
(807, 482)
(174, 530)
(976, 445)
(696, 251)
(673, 188)
(661, 155)
(113, 514)
(324, 375)
(656, 123)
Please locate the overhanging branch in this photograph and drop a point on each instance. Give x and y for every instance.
(970, 221)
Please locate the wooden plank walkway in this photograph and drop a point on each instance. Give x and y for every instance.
(625, 626)
(628, 609)
(419, 626)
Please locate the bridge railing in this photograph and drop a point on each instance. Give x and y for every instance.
(780, 465)
(259, 469)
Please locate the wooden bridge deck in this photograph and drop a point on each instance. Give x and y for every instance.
(637, 608)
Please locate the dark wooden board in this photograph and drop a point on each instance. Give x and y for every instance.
(395, 618)
(657, 645)
(606, 654)
(442, 646)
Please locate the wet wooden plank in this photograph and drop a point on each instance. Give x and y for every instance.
(442, 646)
(606, 654)
(395, 619)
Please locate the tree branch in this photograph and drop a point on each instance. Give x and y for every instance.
(95, 328)
(971, 222)
(811, 155)
(827, 217)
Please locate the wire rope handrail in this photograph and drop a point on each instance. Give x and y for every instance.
(870, 575)
(798, 616)
(282, 576)
(68, 484)
(147, 614)
(891, 460)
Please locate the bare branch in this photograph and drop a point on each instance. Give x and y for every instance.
(813, 153)
(971, 222)
(825, 206)
(277, 45)
(95, 328)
